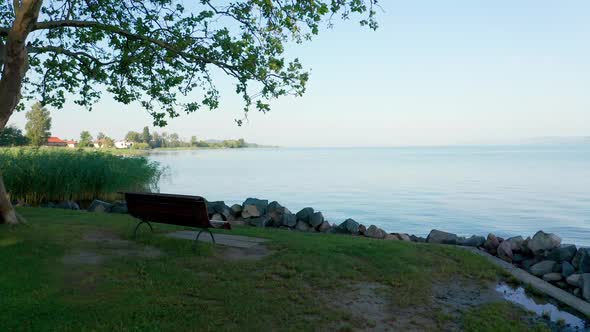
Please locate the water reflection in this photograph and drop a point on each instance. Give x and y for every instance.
(519, 296)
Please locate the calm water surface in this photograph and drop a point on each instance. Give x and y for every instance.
(514, 190)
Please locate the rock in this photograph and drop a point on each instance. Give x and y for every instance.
(254, 207)
(288, 219)
(577, 292)
(67, 205)
(48, 205)
(402, 237)
(276, 211)
(562, 284)
(557, 268)
(567, 269)
(324, 227)
(220, 208)
(518, 258)
(362, 229)
(305, 214)
(491, 245)
(418, 239)
(236, 221)
(250, 211)
(574, 280)
(392, 237)
(236, 210)
(274, 206)
(440, 237)
(516, 243)
(375, 232)
(527, 263)
(586, 286)
(302, 226)
(316, 219)
(119, 207)
(542, 241)
(217, 217)
(581, 260)
(20, 203)
(473, 241)
(552, 277)
(100, 206)
(525, 247)
(349, 226)
(263, 221)
(505, 251)
(565, 252)
(542, 268)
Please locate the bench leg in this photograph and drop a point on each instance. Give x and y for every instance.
(139, 224)
(201, 231)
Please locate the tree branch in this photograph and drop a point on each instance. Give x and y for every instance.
(77, 55)
(48, 25)
(16, 5)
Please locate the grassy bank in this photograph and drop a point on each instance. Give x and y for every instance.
(40, 175)
(304, 284)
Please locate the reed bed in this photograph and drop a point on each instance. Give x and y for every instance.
(36, 176)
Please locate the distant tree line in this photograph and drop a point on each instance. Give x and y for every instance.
(38, 130)
(145, 140)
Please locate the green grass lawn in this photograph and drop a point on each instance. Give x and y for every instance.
(295, 288)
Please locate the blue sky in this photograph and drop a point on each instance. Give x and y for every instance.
(435, 73)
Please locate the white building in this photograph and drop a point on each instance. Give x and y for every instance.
(123, 144)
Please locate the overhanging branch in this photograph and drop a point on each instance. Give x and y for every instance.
(48, 25)
(60, 50)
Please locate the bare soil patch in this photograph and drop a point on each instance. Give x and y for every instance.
(100, 246)
(371, 308)
(254, 253)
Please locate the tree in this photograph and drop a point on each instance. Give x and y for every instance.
(156, 52)
(145, 135)
(12, 136)
(242, 143)
(156, 140)
(85, 139)
(108, 142)
(101, 136)
(133, 136)
(38, 124)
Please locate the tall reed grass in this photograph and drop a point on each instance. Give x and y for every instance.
(43, 175)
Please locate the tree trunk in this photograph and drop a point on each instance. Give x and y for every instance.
(14, 64)
(7, 213)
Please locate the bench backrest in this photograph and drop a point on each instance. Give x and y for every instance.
(179, 210)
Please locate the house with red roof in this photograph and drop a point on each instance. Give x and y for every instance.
(56, 141)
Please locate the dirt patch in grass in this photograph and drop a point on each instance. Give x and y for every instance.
(99, 246)
(83, 257)
(370, 306)
(254, 253)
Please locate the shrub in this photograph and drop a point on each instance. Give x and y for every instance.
(54, 174)
(140, 146)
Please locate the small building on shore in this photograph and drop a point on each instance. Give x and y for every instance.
(72, 144)
(56, 141)
(124, 144)
(99, 144)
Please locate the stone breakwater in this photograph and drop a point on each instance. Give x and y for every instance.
(543, 255)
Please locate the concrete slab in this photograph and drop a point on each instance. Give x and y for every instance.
(237, 241)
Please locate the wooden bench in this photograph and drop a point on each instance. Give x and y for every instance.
(181, 210)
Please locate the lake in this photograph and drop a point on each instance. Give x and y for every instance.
(507, 190)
